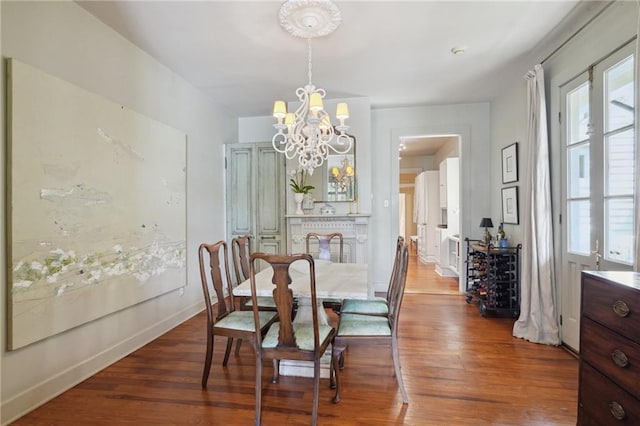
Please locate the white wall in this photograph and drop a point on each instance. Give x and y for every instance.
(63, 40)
(508, 125)
(472, 123)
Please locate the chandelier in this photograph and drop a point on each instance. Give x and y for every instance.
(308, 133)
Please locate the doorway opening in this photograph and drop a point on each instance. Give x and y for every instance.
(428, 211)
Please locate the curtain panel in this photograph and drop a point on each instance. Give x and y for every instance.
(538, 321)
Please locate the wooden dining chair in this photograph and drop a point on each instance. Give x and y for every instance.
(324, 244)
(379, 305)
(376, 330)
(227, 321)
(289, 339)
(324, 253)
(241, 249)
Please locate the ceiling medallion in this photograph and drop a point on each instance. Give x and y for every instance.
(309, 18)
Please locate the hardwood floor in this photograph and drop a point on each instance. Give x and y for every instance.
(459, 369)
(422, 279)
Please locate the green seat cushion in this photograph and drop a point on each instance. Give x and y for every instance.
(363, 325)
(264, 302)
(243, 320)
(303, 333)
(365, 306)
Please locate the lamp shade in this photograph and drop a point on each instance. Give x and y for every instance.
(486, 223)
(279, 109)
(289, 119)
(315, 102)
(342, 111)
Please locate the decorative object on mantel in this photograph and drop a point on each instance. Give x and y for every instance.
(298, 197)
(486, 223)
(307, 203)
(300, 190)
(308, 133)
(327, 209)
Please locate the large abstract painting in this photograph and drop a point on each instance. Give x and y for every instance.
(97, 200)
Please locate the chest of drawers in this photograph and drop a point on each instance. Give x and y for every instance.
(609, 389)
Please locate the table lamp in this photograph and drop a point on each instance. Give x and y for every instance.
(486, 223)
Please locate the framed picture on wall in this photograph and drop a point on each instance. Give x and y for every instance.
(510, 163)
(510, 205)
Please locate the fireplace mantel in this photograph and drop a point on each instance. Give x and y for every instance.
(354, 229)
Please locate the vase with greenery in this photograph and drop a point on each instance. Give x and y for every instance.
(299, 187)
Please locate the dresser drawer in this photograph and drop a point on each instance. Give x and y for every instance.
(600, 401)
(615, 356)
(615, 306)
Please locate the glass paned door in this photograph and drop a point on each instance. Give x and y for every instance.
(598, 178)
(619, 163)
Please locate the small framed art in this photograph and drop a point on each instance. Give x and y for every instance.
(510, 163)
(510, 205)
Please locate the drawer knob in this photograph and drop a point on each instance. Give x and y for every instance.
(616, 410)
(620, 358)
(621, 308)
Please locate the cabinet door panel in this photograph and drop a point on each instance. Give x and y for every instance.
(239, 197)
(255, 195)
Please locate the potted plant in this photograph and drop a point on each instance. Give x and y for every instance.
(299, 188)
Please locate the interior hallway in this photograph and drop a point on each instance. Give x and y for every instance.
(423, 279)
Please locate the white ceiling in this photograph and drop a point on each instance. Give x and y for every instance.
(397, 53)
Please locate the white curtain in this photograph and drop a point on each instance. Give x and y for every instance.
(401, 214)
(537, 322)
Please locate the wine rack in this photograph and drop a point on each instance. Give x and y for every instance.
(493, 278)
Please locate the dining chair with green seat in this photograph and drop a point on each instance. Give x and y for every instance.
(376, 330)
(378, 305)
(226, 321)
(289, 339)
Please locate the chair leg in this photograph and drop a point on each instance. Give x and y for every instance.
(258, 387)
(276, 371)
(238, 343)
(341, 359)
(207, 360)
(336, 354)
(316, 391)
(227, 351)
(396, 366)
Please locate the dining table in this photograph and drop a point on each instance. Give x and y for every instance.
(333, 281)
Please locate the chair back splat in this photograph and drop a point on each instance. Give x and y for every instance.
(241, 249)
(216, 278)
(324, 244)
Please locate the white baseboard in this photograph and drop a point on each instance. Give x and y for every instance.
(26, 401)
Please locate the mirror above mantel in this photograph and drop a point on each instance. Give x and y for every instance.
(335, 180)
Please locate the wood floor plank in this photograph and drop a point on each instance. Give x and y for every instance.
(459, 369)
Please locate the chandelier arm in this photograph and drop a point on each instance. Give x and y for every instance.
(342, 140)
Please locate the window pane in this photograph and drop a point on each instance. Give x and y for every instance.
(578, 114)
(619, 230)
(620, 163)
(578, 177)
(619, 95)
(579, 226)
